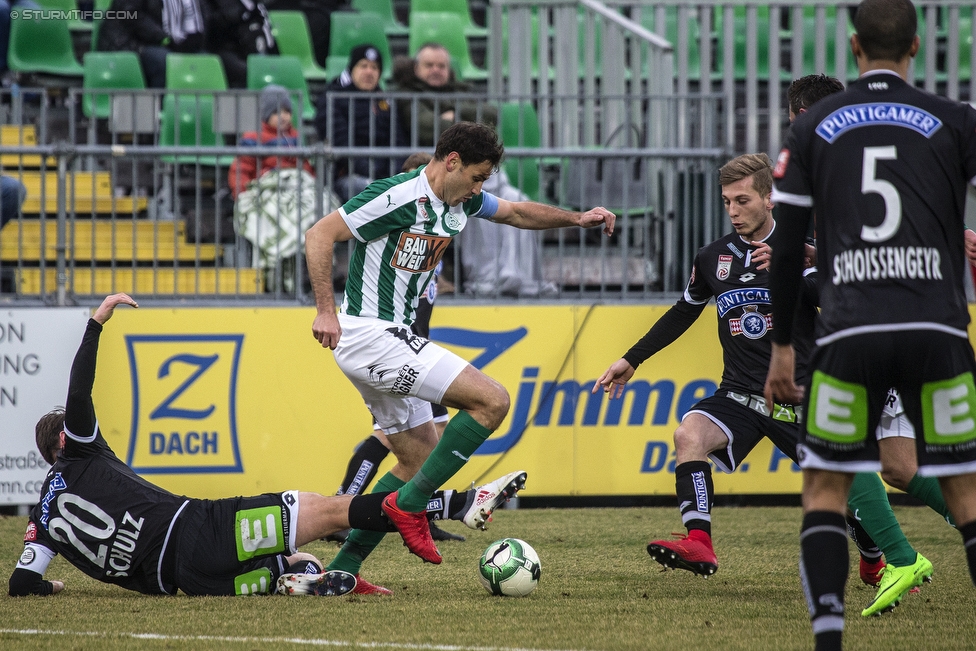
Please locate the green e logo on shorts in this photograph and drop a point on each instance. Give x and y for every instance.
(839, 410)
(949, 410)
(256, 582)
(259, 532)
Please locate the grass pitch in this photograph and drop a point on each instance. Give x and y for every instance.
(599, 591)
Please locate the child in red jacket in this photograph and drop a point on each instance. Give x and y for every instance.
(276, 131)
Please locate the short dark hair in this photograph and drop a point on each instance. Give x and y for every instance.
(758, 166)
(474, 142)
(807, 91)
(415, 160)
(886, 28)
(47, 434)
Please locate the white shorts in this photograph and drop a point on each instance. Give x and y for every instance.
(397, 372)
(894, 423)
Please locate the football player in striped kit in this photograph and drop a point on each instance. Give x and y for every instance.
(402, 226)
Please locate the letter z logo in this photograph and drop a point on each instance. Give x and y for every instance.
(184, 403)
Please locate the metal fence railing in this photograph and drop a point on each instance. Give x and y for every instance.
(745, 51)
(139, 200)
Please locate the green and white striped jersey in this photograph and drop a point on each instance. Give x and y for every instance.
(402, 230)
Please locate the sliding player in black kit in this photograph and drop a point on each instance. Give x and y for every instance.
(118, 528)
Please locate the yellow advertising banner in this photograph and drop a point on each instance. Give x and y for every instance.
(216, 402)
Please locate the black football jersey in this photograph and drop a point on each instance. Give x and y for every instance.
(94, 510)
(724, 270)
(885, 167)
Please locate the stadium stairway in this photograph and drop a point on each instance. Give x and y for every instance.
(109, 245)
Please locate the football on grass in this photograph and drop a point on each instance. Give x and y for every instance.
(509, 567)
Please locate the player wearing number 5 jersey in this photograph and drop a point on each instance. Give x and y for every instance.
(885, 166)
(118, 528)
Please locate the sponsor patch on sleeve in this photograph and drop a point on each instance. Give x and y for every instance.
(781, 162)
(31, 534)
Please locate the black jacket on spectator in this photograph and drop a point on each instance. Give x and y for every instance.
(471, 110)
(336, 128)
(236, 29)
(146, 28)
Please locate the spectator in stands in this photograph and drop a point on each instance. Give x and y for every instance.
(12, 195)
(371, 123)
(274, 196)
(432, 75)
(156, 28)
(234, 30)
(501, 260)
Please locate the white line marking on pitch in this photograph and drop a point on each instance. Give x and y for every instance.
(268, 640)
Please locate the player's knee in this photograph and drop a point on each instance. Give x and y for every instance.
(687, 441)
(497, 404)
(898, 477)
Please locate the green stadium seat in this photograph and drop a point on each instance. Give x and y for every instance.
(671, 33)
(448, 30)
(762, 45)
(67, 5)
(42, 46)
(290, 29)
(384, 9)
(518, 125)
(965, 45)
(809, 47)
(195, 72)
(187, 121)
(108, 70)
(96, 28)
(458, 7)
(597, 43)
(282, 70)
(350, 29)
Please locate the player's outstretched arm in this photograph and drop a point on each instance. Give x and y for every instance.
(107, 308)
(530, 215)
(320, 241)
(25, 582)
(614, 378)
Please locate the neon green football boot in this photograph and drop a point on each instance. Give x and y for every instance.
(896, 582)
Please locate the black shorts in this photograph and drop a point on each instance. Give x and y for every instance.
(932, 370)
(745, 421)
(236, 545)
